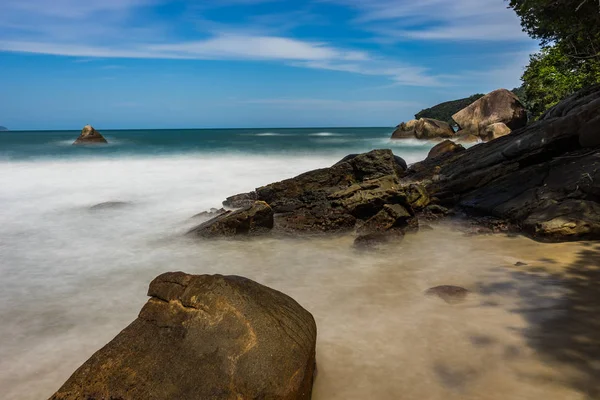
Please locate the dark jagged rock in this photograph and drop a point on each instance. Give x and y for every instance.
(241, 200)
(204, 337)
(450, 294)
(108, 205)
(337, 198)
(252, 220)
(90, 136)
(542, 178)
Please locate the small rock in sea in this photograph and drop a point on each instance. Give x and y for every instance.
(371, 241)
(520, 264)
(450, 294)
(252, 220)
(110, 205)
(90, 136)
(204, 337)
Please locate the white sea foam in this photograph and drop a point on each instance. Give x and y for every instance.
(73, 278)
(325, 134)
(271, 134)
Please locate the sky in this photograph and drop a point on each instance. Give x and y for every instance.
(249, 63)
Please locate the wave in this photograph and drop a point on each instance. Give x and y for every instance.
(271, 134)
(325, 134)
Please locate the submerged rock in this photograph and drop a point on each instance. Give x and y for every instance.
(90, 136)
(108, 205)
(498, 106)
(450, 294)
(204, 337)
(251, 220)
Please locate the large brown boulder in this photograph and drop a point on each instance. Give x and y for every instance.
(89, 136)
(543, 179)
(424, 128)
(494, 131)
(445, 147)
(204, 337)
(406, 130)
(251, 220)
(498, 106)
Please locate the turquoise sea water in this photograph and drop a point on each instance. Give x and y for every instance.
(27, 145)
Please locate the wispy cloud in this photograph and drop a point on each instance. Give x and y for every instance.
(476, 20)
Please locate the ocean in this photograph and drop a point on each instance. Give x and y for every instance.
(73, 277)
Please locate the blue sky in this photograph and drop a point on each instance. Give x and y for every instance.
(248, 63)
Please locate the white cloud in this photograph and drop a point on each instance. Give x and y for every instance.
(488, 20)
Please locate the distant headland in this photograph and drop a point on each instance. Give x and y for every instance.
(3, 128)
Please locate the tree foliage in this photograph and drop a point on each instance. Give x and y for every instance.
(551, 76)
(569, 31)
(572, 24)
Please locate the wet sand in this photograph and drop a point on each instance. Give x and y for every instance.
(525, 332)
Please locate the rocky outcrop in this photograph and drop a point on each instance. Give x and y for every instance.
(340, 198)
(543, 178)
(252, 220)
(90, 136)
(424, 128)
(335, 199)
(499, 106)
(205, 337)
(110, 205)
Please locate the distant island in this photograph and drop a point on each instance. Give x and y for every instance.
(3, 128)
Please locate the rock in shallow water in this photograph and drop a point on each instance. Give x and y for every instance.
(109, 205)
(252, 220)
(204, 337)
(450, 294)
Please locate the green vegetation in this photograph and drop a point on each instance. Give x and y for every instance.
(569, 32)
(445, 111)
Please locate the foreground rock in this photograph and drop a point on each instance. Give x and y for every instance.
(90, 136)
(424, 128)
(543, 179)
(450, 294)
(499, 106)
(240, 200)
(251, 220)
(204, 337)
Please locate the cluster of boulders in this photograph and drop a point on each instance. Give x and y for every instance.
(361, 192)
(492, 116)
(90, 136)
(543, 179)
